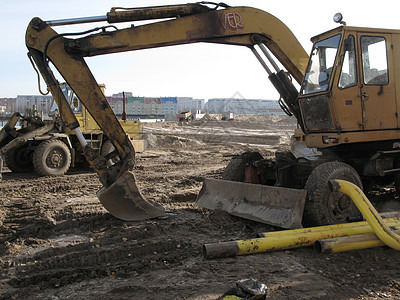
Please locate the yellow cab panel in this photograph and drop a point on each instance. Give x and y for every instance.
(349, 90)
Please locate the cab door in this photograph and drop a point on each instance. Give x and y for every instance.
(377, 90)
(346, 89)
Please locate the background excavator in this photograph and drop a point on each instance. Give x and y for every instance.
(346, 109)
(35, 142)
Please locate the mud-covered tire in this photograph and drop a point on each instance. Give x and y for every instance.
(52, 158)
(324, 207)
(19, 160)
(235, 170)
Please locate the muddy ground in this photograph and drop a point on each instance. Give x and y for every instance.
(57, 241)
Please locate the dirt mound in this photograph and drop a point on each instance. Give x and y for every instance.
(157, 140)
(208, 116)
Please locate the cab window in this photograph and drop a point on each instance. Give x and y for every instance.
(374, 60)
(348, 74)
(319, 69)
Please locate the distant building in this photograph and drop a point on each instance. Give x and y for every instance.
(169, 105)
(143, 106)
(10, 104)
(43, 103)
(135, 106)
(121, 95)
(152, 105)
(190, 104)
(243, 106)
(116, 104)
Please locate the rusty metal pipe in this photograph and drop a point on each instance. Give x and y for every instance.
(307, 237)
(291, 240)
(350, 243)
(391, 219)
(369, 212)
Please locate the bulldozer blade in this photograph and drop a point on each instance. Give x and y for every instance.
(282, 207)
(123, 200)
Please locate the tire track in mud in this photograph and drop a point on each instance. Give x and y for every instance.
(60, 242)
(58, 233)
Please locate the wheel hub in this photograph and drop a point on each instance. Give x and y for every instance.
(340, 205)
(344, 202)
(54, 159)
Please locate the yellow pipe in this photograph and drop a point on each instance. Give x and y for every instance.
(350, 243)
(306, 237)
(288, 241)
(369, 212)
(389, 221)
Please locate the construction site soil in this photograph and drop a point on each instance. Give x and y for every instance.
(58, 242)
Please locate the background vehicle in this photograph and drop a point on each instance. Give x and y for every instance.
(184, 116)
(346, 107)
(48, 147)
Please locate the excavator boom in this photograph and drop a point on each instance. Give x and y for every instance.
(183, 24)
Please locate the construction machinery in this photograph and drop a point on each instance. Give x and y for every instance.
(346, 109)
(35, 142)
(184, 116)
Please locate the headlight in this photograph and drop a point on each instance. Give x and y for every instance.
(337, 18)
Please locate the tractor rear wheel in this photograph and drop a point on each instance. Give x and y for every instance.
(235, 170)
(324, 207)
(19, 160)
(52, 158)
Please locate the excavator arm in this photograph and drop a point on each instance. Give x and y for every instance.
(180, 24)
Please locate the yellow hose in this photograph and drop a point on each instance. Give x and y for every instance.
(369, 212)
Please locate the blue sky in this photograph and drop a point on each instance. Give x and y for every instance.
(199, 71)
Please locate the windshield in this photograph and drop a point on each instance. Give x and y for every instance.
(319, 69)
(73, 101)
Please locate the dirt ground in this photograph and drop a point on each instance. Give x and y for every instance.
(58, 242)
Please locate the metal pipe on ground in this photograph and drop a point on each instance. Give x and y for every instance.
(350, 243)
(292, 239)
(297, 238)
(369, 212)
(391, 218)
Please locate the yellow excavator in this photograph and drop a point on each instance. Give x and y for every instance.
(32, 142)
(346, 109)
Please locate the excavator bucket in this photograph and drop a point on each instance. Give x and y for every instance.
(282, 207)
(123, 200)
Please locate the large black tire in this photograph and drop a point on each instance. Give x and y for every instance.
(19, 160)
(324, 207)
(52, 158)
(235, 170)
